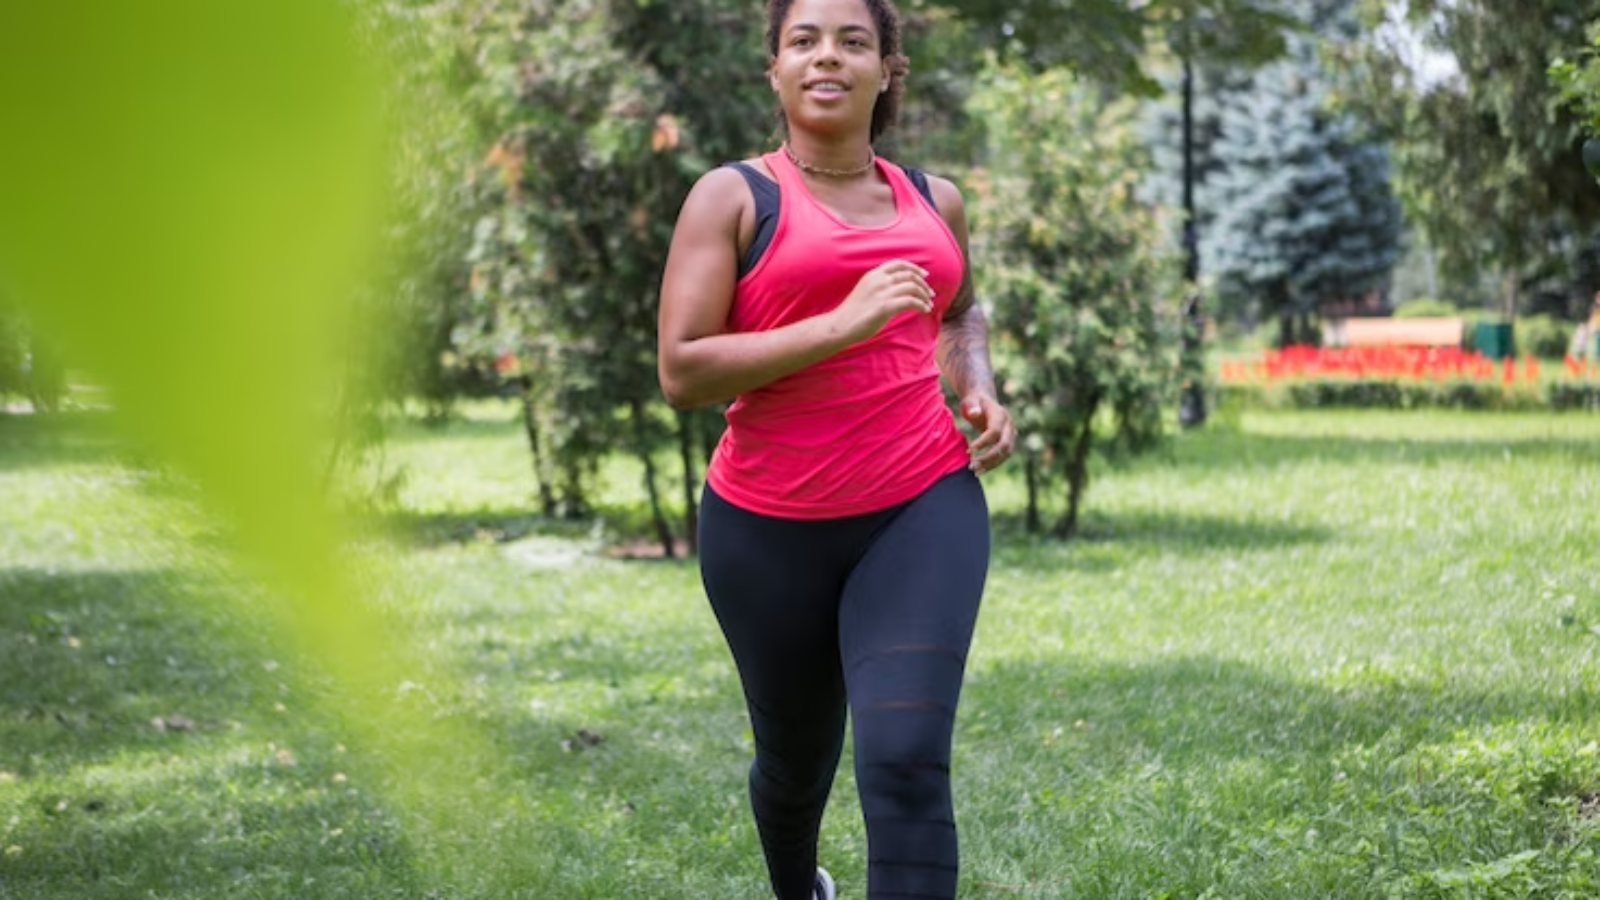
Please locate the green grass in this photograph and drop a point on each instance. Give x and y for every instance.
(1296, 656)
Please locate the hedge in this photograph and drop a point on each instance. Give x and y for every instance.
(1350, 393)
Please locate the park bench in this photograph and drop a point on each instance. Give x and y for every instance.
(1377, 331)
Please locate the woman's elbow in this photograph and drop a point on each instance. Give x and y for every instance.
(679, 395)
(676, 398)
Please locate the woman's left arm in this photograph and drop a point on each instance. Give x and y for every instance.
(963, 350)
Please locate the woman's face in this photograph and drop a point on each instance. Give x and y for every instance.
(829, 69)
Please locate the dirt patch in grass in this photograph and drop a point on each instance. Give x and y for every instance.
(646, 549)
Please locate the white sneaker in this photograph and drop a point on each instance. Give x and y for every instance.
(824, 889)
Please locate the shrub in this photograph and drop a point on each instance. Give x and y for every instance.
(1086, 354)
(1575, 396)
(1425, 307)
(1374, 393)
(1543, 336)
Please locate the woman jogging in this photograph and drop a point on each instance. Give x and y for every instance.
(844, 537)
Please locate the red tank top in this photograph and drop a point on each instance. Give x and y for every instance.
(866, 428)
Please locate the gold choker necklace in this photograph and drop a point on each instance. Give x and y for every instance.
(831, 173)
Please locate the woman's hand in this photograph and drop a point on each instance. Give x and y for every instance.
(895, 287)
(997, 437)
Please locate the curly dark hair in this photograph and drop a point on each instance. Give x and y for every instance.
(884, 14)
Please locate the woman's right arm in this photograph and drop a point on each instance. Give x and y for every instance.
(699, 360)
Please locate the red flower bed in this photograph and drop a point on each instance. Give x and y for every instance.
(1422, 363)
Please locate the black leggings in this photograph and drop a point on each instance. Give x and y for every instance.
(876, 611)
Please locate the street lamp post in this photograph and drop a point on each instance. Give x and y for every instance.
(1192, 401)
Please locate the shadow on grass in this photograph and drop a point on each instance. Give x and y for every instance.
(411, 430)
(93, 659)
(1180, 532)
(1196, 776)
(156, 742)
(1198, 711)
(624, 532)
(35, 441)
(1218, 451)
(138, 728)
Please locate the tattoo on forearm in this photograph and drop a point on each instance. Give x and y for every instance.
(963, 349)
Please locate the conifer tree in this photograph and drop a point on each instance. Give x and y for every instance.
(1304, 211)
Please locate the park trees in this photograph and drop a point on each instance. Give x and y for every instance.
(1294, 204)
(1487, 157)
(1575, 73)
(597, 115)
(1108, 41)
(1081, 298)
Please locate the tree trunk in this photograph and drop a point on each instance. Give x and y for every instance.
(573, 504)
(642, 448)
(1030, 470)
(1433, 270)
(1285, 329)
(530, 425)
(691, 508)
(47, 379)
(1078, 474)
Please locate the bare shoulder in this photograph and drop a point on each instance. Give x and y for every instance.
(718, 196)
(943, 189)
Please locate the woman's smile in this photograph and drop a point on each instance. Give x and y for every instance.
(826, 88)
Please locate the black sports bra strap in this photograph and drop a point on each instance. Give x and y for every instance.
(765, 192)
(919, 180)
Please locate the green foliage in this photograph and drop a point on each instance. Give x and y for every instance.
(1543, 336)
(598, 116)
(1485, 150)
(1578, 81)
(936, 132)
(417, 297)
(1106, 41)
(407, 306)
(1081, 295)
(1374, 393)
(1425, 308)
(1575, 395)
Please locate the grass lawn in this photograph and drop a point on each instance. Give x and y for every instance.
(1351, 655)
